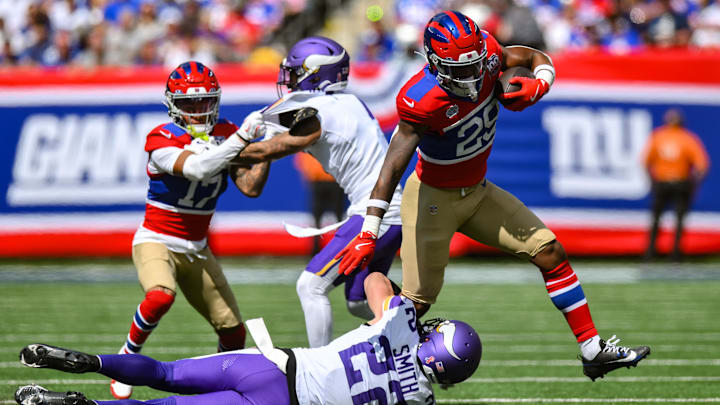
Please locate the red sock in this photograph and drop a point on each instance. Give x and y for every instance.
(566, 293)
(233, 339)
(148, 314)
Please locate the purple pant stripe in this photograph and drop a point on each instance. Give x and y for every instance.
(227, 378)
(385, 251)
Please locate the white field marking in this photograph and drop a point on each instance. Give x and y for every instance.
(470, 381)
(170, 337)
(574, 363)
(54, 381)
(576, 400)
(456, 274)
(585, 379)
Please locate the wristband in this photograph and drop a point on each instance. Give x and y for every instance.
(545, 72)
(382, 204)
(371, 224)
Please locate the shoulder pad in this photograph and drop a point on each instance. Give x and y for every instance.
(301, 117)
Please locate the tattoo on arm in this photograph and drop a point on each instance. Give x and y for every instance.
(277, 147)
(250, 180)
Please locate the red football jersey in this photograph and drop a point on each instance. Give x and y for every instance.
(175, 205)
(455, 148)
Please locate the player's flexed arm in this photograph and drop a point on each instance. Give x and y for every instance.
(250, 180)
(304, 131)
(531, 89)
(360, 251)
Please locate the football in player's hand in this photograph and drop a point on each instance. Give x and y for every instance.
(503, 82)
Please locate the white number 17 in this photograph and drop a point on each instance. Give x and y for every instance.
(188, 199)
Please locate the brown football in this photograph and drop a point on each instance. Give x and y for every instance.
(503, 82)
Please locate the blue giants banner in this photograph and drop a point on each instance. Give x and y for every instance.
(73, 181)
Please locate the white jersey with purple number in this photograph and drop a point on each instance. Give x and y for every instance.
(351, 147)
(371, 364)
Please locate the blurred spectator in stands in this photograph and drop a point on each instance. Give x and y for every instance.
(519, 26)
(148, 54)
(37, 35)
(92, 48)
(120, 42)
(676, 161)
(376, 43)
(707, 25)
(668, 24)
(325, 194)
(63, 50)
(148, 27)
(622, 37)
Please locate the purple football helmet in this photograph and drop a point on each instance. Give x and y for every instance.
(315, 63)
(449, 351)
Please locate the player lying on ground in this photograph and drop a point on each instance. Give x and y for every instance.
(341, 133)
(387, 360)
(188, 167)
(448, 113)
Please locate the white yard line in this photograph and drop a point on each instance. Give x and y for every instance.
(576, 400)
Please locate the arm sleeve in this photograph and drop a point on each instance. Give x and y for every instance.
(198, 167)
(163, 159)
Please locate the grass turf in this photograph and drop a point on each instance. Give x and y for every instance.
(529, 354)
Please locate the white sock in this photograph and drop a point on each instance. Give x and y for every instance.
(313, 293)
(590, 348)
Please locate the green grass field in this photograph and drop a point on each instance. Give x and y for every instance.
(529, 354)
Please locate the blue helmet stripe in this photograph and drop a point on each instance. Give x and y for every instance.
(187, 68)
(200, 67)
(437, 35)
(463, 21)
(446, 22)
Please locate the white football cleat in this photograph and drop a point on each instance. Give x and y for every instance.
(120, 390)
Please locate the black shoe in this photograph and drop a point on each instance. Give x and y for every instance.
(39, 355)
(37, 395)
(612, 357)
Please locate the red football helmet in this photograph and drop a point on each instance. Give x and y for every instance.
(192, 96)
(456, 51)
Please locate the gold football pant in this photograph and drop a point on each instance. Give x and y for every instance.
(199, 276)
(484, 212)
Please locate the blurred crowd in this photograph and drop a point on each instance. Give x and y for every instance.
(166, 32)
(136, 32)
(617, 26)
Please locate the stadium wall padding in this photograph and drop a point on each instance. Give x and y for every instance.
(73, 178)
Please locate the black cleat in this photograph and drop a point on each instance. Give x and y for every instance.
(39, 355)
(612, 357)
(37, 395)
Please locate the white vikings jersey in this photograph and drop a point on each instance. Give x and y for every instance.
(371, 364)
(351, 147)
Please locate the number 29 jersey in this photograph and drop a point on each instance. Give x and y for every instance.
(454, 150)
(371, 364)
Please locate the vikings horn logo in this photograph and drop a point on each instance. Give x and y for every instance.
(448, 331)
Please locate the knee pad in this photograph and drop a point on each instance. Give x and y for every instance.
(312, 284)
(361, 309)
(155, 305)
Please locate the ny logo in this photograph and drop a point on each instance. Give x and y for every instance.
(596, 153)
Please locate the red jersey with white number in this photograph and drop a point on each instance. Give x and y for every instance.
(454, 150)
(176, 206)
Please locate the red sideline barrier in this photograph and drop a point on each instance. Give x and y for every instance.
(279, 243)
(672, 66)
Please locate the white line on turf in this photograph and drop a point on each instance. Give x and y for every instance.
(576, 400)
(585, 379)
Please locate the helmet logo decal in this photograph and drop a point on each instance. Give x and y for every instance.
(448, 331)
(429, 359)
(439, 366)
